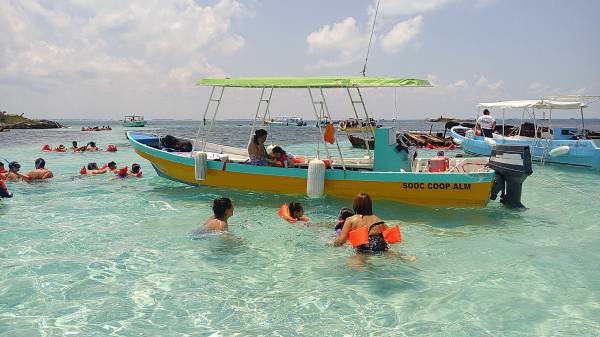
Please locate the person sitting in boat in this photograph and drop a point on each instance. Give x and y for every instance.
(486, 124)
(40, 172)
(256, 148)
(281, 158)
(222, 211)
(91, 146)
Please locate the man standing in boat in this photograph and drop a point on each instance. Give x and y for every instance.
(486, 123)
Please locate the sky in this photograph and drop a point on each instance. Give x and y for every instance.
(106, 59)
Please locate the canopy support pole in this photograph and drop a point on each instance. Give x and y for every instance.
(214, 100)
(314, 105)
(369, 126)
(582, 123)
(326, 110)
(265, 96)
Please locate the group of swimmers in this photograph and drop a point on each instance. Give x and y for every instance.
(111, 167)
(365, 231)
(260, 156)
(12, 174)
(89, 147)
(96, 128)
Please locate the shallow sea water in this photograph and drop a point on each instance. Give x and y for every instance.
(92, 256)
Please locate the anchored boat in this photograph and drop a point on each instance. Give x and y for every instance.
(285, 121)
(134, 121)
(548, 143)
(387, 172)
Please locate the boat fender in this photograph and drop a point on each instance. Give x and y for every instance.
(46, 148)
(4, 192)
(200, 165)
(560, 151)
(284, 212)
(490, 142)
(315, 181)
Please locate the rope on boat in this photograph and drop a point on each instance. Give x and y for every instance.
(370, 39)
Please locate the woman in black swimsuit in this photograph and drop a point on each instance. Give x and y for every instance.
(363, 210)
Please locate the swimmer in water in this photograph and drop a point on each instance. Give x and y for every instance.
(136, 171)
(3, 171)
(112, 167)
(345, 213)
(222, 211)
(13, 173)
(92, 168)
(40, 172)
(92, 147)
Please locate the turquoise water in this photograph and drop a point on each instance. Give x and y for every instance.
(91, 256)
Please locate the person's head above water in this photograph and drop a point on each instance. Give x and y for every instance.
(362, 204)
(74, 143)
(112, 165)
(13, 166)
(135, 168)
(296, 210)
(40, 163)
(260, 136)
(486, 112)
(92, 166)
(222, 208)
(345, 213)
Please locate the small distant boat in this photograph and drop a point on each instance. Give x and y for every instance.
(134, 121)
(443, 119)
(359, 143)
(285, 121)
(361, 125)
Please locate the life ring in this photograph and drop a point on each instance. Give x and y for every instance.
(284, 212)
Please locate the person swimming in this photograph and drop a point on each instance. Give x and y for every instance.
(222, 211)
(91, 146)
(13, 172)
(345, 213)
(3, 171)
(92, 168)
(136, 170)
(40, 172)
(292, 212)
(112, 167)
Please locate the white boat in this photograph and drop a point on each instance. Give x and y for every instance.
(285, 121)
(549, 143)
(134, 121)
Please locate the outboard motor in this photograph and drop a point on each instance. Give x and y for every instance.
(512, 164)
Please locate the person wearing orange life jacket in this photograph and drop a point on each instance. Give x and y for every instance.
(292, 212)
(281, 158)
(366, 232)
(3, 171)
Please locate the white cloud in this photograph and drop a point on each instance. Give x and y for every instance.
(394, 8)
(343, 40)
(483, 82)
(47, 44)
(401, 34)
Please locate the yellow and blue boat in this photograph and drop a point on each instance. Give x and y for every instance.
(387, 173)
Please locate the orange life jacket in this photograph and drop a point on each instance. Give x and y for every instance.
(329, 135)
(360, 236)
(284, 212)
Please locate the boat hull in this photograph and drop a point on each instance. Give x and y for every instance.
(135, 124)
(583, 152)
(470, 190)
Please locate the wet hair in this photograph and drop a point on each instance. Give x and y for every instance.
(1, 164)
(486, 111)
(362, 204)
(345, 213)
(92, 144)
(257, 134)
(92, 166)
(40, 163)
(13, 165)
(220, 205)
(74, 143)
(278, 149)
(295, 207)
(135, 168)
(440, 153)
(112, 164)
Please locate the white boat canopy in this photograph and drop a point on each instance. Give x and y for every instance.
(536, 104)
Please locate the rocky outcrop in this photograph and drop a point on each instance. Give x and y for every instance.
(8, 121)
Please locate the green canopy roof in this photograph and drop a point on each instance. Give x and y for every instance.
(313, 82)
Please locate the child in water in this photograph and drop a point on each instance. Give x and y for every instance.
(345, 213)
(293, 212)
